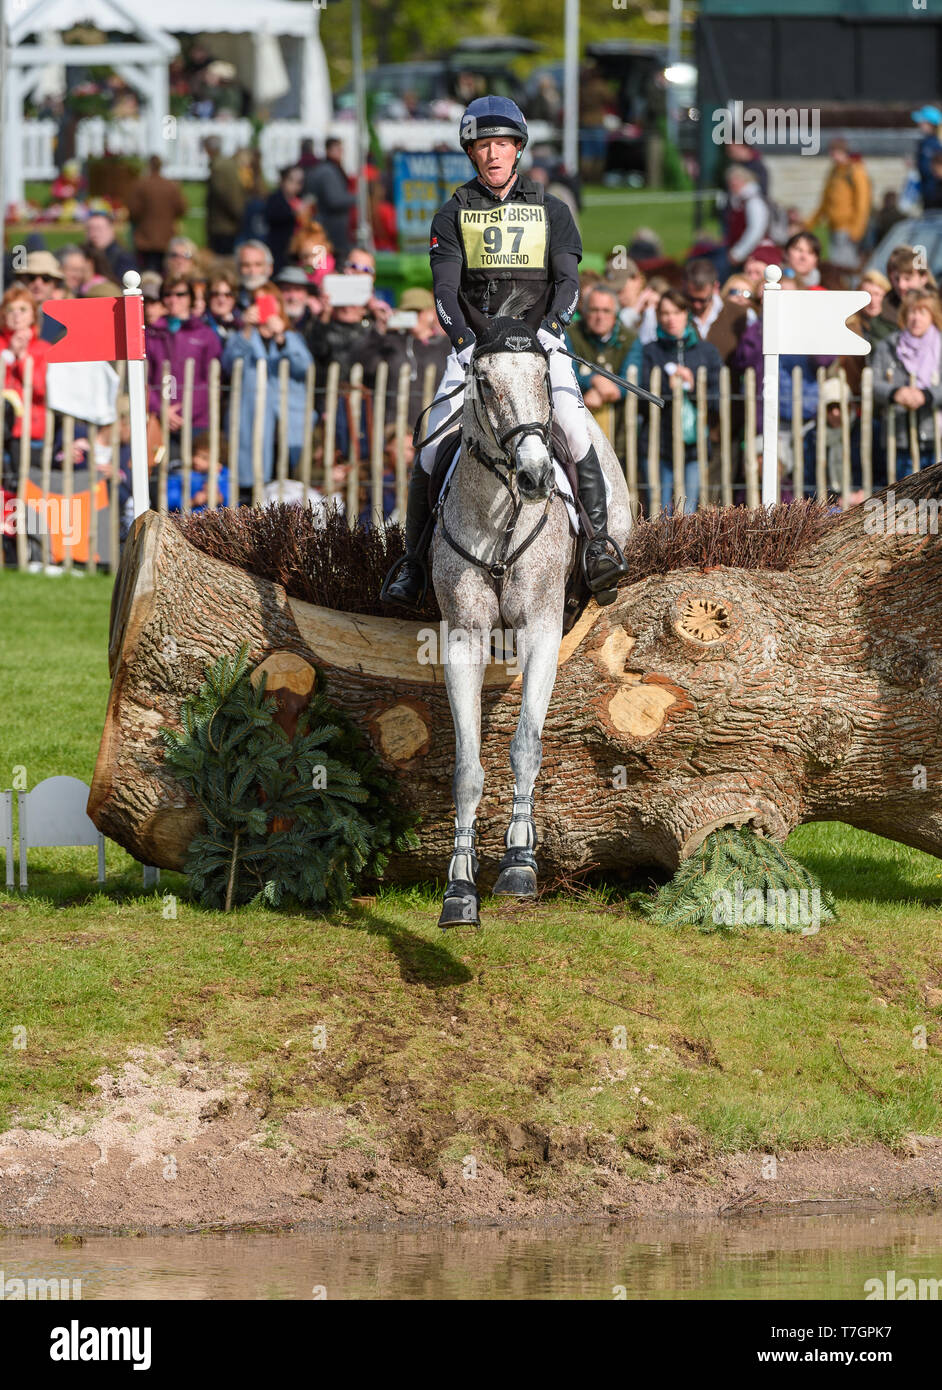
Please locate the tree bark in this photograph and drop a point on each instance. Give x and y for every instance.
(696, 700)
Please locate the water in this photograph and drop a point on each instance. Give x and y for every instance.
(807, 1257)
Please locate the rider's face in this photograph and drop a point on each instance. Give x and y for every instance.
(494, 158)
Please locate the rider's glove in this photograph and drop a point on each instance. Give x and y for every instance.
(550, 335)
(465, 346)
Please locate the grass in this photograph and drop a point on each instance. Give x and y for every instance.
(573, 1017)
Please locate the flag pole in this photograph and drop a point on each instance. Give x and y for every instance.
(137, 390)
(773, 274)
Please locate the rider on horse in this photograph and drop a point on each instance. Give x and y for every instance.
(497, 234)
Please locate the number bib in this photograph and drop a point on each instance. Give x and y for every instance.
(506, 238)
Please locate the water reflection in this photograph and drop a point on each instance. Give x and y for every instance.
(826, 1256)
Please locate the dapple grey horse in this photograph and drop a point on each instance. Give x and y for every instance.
(501, 554)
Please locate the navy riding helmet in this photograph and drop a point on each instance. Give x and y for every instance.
(491, 115)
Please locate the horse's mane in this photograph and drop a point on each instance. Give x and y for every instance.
(520, 300)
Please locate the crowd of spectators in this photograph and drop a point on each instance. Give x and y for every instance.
(260, 292)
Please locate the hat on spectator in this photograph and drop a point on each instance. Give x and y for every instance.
(42, 263)
(221, 69)
(767, 252)
(150, 284)
(417, 299)
(831, 392)
(292, 275)
(932, 114)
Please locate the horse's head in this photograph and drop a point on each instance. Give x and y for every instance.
(509, 411)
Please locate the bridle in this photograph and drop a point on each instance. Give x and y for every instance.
(504, 471)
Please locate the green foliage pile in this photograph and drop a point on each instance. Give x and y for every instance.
(725, 873)
(242, 769)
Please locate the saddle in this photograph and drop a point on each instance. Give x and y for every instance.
(577, 593)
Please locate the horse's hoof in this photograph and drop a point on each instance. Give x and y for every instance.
(460, 907)
(516, 881)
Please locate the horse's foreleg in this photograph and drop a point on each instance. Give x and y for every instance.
(540, 653)
(464, 679)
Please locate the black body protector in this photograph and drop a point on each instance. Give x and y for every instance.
(483, 248)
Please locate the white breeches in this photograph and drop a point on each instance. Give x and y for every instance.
(568, 406)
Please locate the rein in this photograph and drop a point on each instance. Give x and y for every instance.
(497, 569)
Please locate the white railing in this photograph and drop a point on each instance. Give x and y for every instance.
(184, 157)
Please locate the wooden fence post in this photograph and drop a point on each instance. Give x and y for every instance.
(866, 430)
(753, 494)
(378, 442)
(726, 439)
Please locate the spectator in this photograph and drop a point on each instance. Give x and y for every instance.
(887, 216)
(254, 226)
(834, 442)
(254, 264)
(679, 352)
(225, 199)
(282, 211)
(180, 258)
(932, 198)
(150, 289)
(19, 341)
(383, 219)
(845, 204)
(73, 265)
(154, 205)
(199, 482)
(419, 346)
(99, 229)
(634, 296)
(270, 342)
(701, 289)
(765, 254)
(802, 257)
(177, 338)
(739, 301)
(296, 292)
(41, 274)
(601, 338)
(341, 332)
(751, 160)
(98, 283)
(331, 188)
(869, 323)
(747, 216)
(906, 273)
(906, 373)
(221, 312)
(928, 119)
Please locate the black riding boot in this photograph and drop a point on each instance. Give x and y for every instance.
(407, 581)
(602, 569)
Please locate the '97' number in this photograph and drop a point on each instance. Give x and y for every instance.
(493, 238)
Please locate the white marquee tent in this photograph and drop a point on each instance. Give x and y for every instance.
(274, 44)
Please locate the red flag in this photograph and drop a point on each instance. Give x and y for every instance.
(96, 330)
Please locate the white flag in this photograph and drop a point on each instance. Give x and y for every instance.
(812, 321)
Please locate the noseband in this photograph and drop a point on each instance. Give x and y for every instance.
(503, 471)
